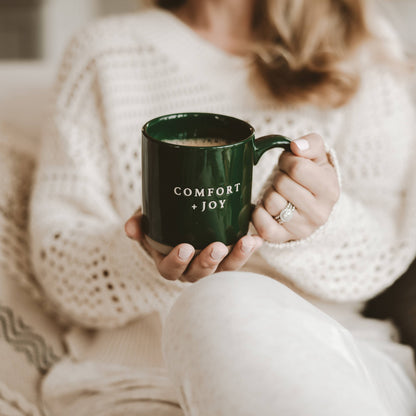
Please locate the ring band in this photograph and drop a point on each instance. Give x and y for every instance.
(286, 213)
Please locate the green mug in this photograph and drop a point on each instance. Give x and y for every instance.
(197, 174)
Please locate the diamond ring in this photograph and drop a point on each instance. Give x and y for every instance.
(286, 214)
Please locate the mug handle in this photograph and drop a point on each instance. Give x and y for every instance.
(262, 144)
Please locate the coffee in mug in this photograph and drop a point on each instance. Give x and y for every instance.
(196, 178)
(199, 141)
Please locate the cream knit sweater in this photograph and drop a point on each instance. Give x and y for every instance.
(123, 71)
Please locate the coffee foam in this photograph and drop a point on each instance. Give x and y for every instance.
(200, 141)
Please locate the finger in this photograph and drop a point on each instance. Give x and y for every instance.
(310, 147)
(133, 228)
(320, 180)
(308, 207)
(206, 262)
(291, 191)
(273, 202)
(173, 266)
(267, 227)
(240, 253)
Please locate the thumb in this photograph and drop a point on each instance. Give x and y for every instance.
(310, 147)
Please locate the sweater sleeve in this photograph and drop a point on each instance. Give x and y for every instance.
(370, 237)
(94, 275)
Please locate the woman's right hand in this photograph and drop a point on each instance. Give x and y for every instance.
(182, 263)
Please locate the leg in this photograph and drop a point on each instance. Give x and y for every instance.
(244, 344)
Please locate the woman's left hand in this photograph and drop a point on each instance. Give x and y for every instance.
(307, 180)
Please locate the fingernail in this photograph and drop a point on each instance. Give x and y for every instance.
(302, 144)
(218, 253)
(185, 252)
(247, 245)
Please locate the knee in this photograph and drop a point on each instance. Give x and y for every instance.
(229, 304)
(224, 294)
(235, 293)
(237, 307)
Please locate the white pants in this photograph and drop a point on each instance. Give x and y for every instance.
(241, 344)
(236, 344)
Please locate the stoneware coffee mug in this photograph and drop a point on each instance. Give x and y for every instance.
(197, 173)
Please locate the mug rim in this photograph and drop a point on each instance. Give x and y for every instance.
(186, 114)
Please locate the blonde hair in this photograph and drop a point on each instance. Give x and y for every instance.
(304, 49)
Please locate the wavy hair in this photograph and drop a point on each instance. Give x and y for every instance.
(304, 49)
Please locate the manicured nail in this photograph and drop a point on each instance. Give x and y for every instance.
(302, 144)
(247, 245)
(185, 252)
(218, 253)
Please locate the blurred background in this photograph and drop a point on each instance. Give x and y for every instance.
(33, 34)
(39, 29)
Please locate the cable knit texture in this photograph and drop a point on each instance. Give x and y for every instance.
(123, 71)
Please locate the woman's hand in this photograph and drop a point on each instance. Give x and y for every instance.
(182, 263)
(307, 180)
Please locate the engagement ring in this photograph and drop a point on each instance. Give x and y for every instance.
(286, 214)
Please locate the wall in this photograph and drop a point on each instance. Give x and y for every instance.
(24, 84)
